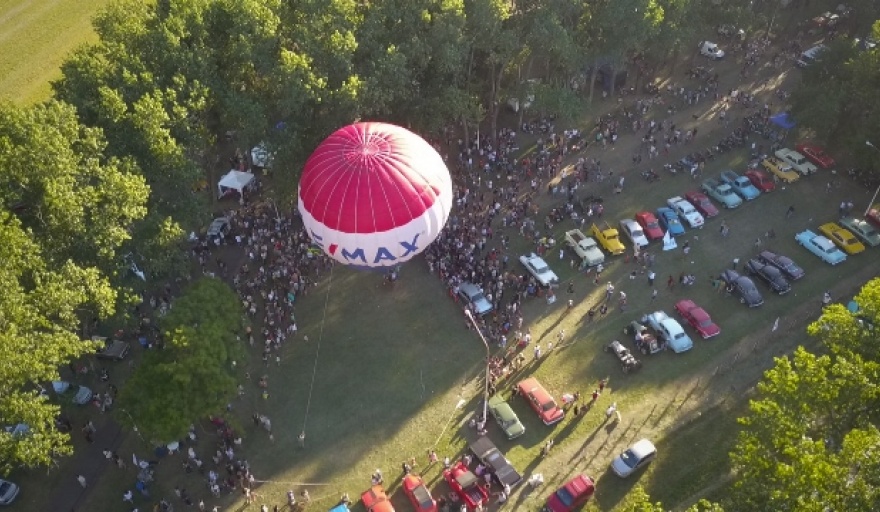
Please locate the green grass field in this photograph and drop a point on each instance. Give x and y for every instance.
(35, 36)
(395, 360)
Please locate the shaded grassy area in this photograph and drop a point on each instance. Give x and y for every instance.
(35, 36)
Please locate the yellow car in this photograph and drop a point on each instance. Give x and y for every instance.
(780, 170)
(842, 238)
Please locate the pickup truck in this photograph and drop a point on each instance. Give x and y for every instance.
(798, 161)
(721, 192)
(585, 247)
(608, 237)
(495, 461)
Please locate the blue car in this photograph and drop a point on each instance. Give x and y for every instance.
(669, 221)
(742, 185)
(821, 247)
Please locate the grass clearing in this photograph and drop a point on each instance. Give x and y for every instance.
(35, 36)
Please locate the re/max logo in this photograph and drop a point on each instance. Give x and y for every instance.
(359, 254)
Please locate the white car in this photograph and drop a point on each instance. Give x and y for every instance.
(538, 268)
(634, 232)
(711, 50)
(686, 211)
(798, 161)
(635, 457)
(669, 331)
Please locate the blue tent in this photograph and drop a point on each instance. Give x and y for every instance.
(783, 120)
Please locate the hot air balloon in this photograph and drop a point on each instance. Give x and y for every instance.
(374, 195)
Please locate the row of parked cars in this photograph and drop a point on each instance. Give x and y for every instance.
(848, 236)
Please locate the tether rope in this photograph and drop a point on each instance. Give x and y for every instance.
(317, 353)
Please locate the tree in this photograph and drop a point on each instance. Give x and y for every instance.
(192, 376)
(65, 209)
(809, 440)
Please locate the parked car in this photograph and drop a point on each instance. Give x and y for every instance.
(711, 50)
(791, 269)
(8, 492)
(114, 350)
(472, 295)
(770, 274)
(628, 362)
(761, 180)
(491, 457)
(697, 318)
(540, 401)
(781, 170)
(821, 247)
(842, 238)
(796, 160)
(740, 184)
(669, 330)
(376, 500)
(634, 232)
(419, 495)
(810, 56)
(644, 339)
(669, 221)
(816, 154)
(650, 225)
(218, 230)
(636, 456)
(571, 496)
(862, 229)
(505, 417)
(721, 192)
(585, 247)
(702, 203)
(538, 268)
(466, 485)
(608, 238)
(686, 211)
(744, 287)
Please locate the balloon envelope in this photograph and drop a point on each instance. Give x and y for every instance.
(374, 195)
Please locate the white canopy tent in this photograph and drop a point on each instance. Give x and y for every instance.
(234, 180)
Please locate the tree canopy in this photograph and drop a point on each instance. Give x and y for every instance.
(809, 442)
(191, 377)
(65, 209)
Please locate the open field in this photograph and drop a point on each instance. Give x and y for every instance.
(395, 360)
(35, 36)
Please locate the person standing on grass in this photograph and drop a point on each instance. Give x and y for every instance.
(651, 277)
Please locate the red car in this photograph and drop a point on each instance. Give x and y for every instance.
(761, 180)
(418, 494)
(816, 154)
(541, 401)
(649, 225)
(698, 318)
(375, 500)
(702, 203)
(466, 485)
(873, 215)
(571, 495)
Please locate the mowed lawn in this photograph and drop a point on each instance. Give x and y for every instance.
(35, 36)
(395, 360)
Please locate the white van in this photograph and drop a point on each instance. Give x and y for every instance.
(809, 56)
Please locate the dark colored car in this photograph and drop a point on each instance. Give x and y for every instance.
(770, 274)
(744, 287)
(702, 203)
(783, 263)
(501, 468)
